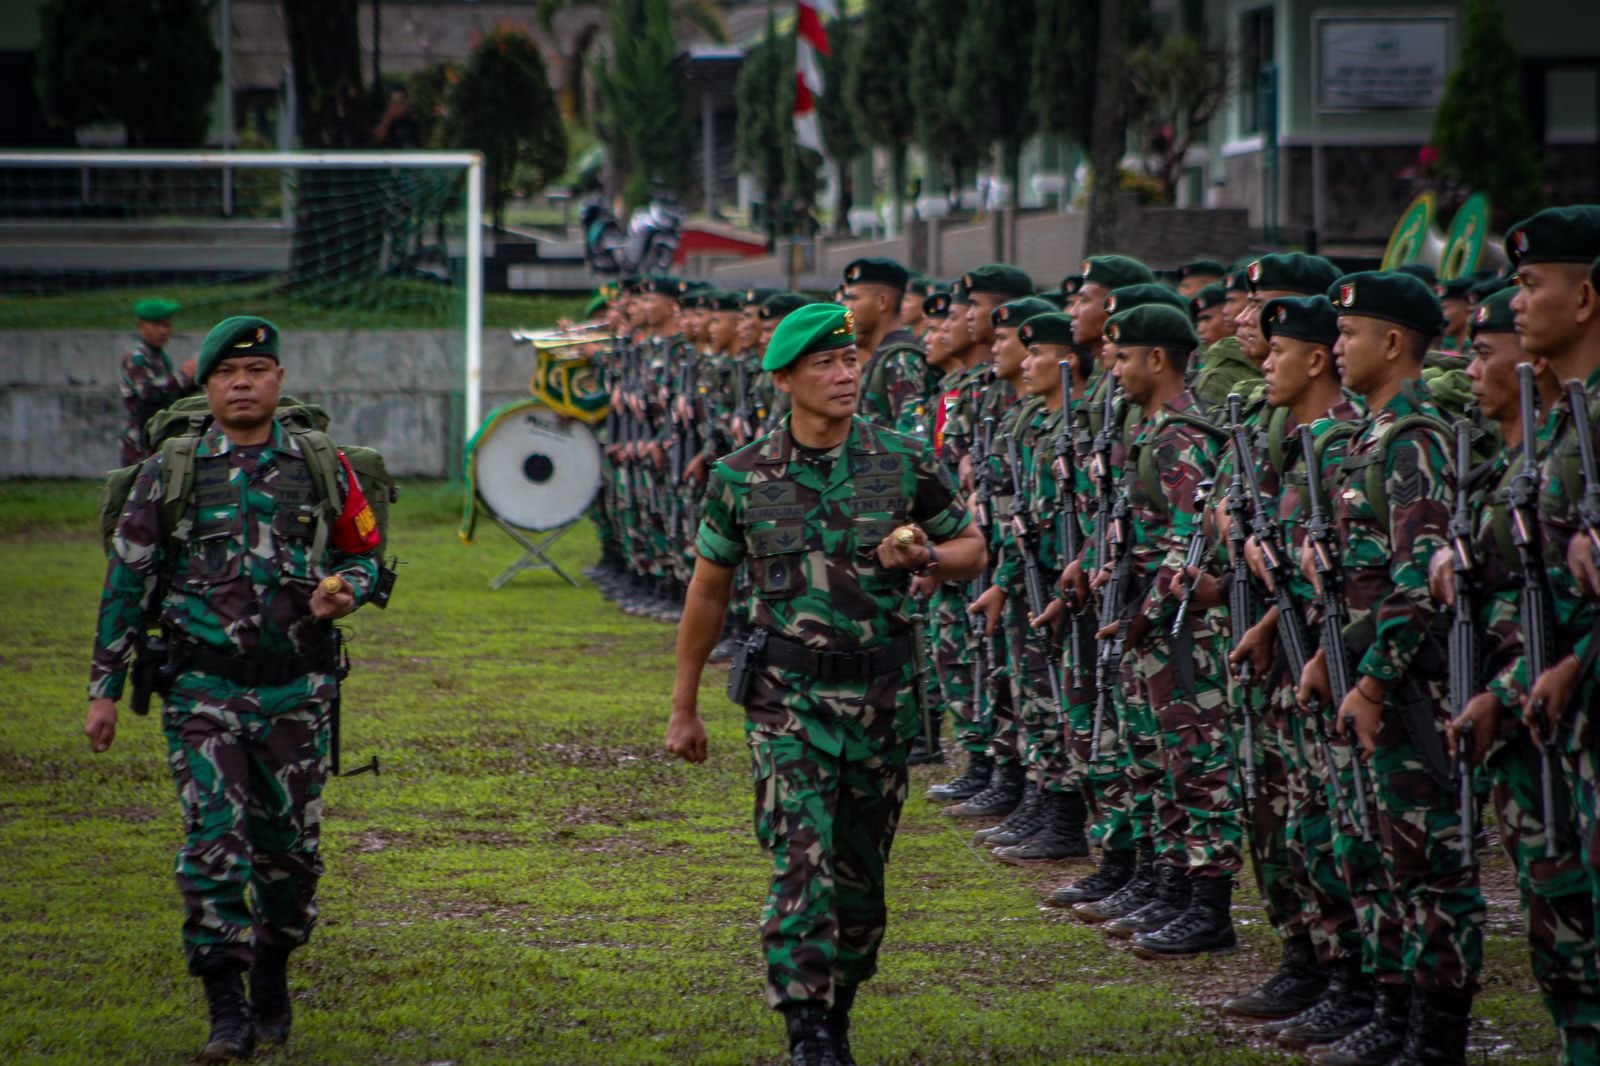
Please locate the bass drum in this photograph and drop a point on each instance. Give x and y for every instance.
(534, 469)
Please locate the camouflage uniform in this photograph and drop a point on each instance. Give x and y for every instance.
(149, 384)
(895, 384)
(1225, 369)
(234, 582)
(951, 635)
(1430, 900)
(828, 755)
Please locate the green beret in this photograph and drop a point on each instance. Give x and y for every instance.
(1047, 329)
(1394, 297)
(780, 304)
(596, 304)
(1002, 278)
(1421, 271)
(1114, 271)
(1306, 318)
(922, 285)
(1494, 314)
(1167, 276)
(1058, 300)
(1016, 312)
(1454, 289)
(631, 283)
(936, 305)
(1483, 288)
(1556, 235)
(662, 285)
(874, 271)
(816, 327)
(1236, 281)
(237, 336)
(1071, 284)
(723, 300)
(1213, 295)
(757, 297)
(1208, 268)
(1128, 297)
(1308, 275)
(1152, 326)
(154, 310)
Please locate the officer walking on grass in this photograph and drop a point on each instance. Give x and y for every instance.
(149, 380)
(246, 579)
(833, 515)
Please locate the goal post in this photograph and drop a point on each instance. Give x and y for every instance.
(354, 239)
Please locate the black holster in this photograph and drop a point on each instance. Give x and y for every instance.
(746, 662)
(151, 673)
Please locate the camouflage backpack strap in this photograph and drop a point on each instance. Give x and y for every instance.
(1150, 476)
(1378, 461)
(322, 460)
(1277, 428)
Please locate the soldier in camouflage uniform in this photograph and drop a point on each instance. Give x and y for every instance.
(896, 382)
(833, 514)
(246, 592)
(1554, 888)
(149, 381)
(1430, 920)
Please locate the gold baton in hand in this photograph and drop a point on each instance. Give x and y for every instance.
(332, 586)
(905, 535)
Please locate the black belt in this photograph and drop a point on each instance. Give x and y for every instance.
(251, 671)
(865, 664)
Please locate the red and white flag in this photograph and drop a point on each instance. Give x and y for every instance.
(811, 43)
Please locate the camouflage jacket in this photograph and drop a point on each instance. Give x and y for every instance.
(1385, 570)
(1293, 508)
(894, 386)
(149, 384)
(235, 576)
(809, 524)
(962, 399)
(1224, 368)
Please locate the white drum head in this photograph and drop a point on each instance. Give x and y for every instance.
(537, 470)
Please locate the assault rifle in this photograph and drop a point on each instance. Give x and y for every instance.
(1071, 534)
(741, 401)
(1463, 644)
(1032, 575)
(1325, 555)
(1111, 650)
(1192, 556)
(1589, 499)
(986, 663)
(1241, 605)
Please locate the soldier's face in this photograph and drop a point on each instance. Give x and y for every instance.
(1008, 354)
(978, 311)
(723, 329)
(1555, 303)
(939, 352)
(957, 330)
(864, 302)
(1288, 368)
(911, 310)
(1457, 316)
(1493, 372)
(1192, 284)
(1247, 327)
(1088, 311)
(1232, 307)
(1213, 325)
(155, 334)
(242, 392)
(1041, 371)
(1361, 352)
(826, 384)
(749, 331)
(1131, 366)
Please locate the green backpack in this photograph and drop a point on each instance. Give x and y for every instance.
(176, 431)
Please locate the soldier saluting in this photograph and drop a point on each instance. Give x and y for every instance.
(833, 515)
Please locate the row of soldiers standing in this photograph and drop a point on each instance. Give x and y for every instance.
(1280, 563)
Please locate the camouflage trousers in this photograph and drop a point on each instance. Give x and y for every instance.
(1266, 817)
(1431, 898)
(1103, 777)
(1556, 897)
(1199, 815)
(250, 786)
(828, 822)
(999, 700)
(1040, 719)
(950, 637)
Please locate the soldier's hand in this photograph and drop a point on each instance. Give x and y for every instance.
(696, 470)
(101, 724)
(1207, 591)
(1224, 522)
(657, 454)
(1585, 567)
(1479, 721)
(333, 598)
(1074, 585)
(1360, 715)
(1313, 687)
(1255, 647)
(964, 474)
(1546, 702)
(989, 605)
(1101, 578)
(1046, 618)
(1441, 568)
(740, 428)
(686, 736)
(1256, 559)
(1308, 567)
(924, 585)
(905, 548)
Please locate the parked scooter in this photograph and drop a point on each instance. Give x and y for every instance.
(650, 245)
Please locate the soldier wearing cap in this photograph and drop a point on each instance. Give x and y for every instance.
(833, 514)
(1429, 933)
(246, 597)
(1211, 322)
(1455, 296)
(149, 381)
(1196, 274)
(896, 382)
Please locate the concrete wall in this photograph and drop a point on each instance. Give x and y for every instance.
(397, 391)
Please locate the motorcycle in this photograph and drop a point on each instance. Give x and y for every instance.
(650, 245)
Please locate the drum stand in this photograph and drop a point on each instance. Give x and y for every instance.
(534, 553)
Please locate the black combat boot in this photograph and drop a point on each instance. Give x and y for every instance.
(1378, 1041)
(969, 784)
(231, 1037)
(1297, 985)
(1116, 869)
(1344, 1008)
(1205, 926)
(1136, 891)
(269, 993)
(921, 754)
(844, 997)
(1172, 898)
(1436, 1029)
(1061, 836)
(999, 799)
(1019, 824)
(811, 1040)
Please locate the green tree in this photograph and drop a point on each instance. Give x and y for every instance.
(1066, 39)
(504, 107)
(1481, 131)
(878, 89)
(432, 96)
(838, 121)
(643, 95)
(945, 138)
(760, 139)
(1177, 84)
(994, 75)
(577, 37)
(150, 67)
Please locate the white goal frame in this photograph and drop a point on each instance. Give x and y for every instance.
(472, 162)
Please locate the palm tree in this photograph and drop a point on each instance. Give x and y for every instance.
(577, 26)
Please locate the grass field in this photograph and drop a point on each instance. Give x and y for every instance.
(530, 879)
